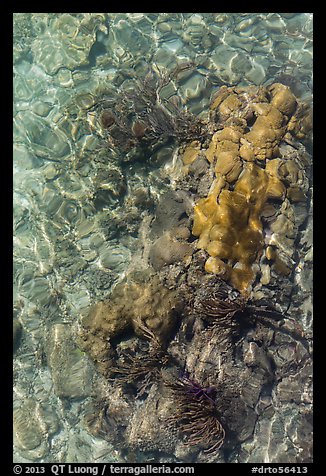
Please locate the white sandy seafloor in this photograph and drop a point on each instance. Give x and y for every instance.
(64, 258)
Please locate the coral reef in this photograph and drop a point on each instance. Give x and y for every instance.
(239, 340)
(248, 175)
(249, 179)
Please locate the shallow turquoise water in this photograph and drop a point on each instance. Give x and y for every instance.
(70, 242)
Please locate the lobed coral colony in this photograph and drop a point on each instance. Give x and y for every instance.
(245, 180)
(248, 174)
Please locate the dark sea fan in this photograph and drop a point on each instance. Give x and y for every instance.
(144, 368)
(140, 370)
(228, 315)
(195, 414)
(141, 116)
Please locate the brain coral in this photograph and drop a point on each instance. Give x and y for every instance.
(134, 302)
(252, 124)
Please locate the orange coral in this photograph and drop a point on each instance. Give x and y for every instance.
(228, 222)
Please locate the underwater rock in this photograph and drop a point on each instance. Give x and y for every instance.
(148, 429)
(108, 415)
(168, 249)
(290, 389)
(202, 351)
(33, 424)
(38, 287)
(280, 444)
(42, 108)
(23, 34)
(28, 434)
(196, 33)
(114, 257)
(70, 369)
(170, 213)
(194, 88)
(232, 397)
(221, 63)
(44, 141)
(301, 430)
(141, 197)
(110, 186)
(65, 44)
